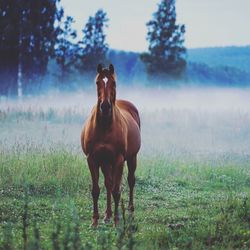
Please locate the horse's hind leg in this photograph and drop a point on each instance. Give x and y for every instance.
(131, 181)
(94, 170)
(107, 172)
(116, 182)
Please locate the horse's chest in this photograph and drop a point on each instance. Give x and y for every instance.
(100, 138)
(108, 143)
(106, 151)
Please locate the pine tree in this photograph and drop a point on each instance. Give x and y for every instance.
(93, 45)
(27, 38)
(166, 56)
(39, 39)
(66, 49)
(9, 37)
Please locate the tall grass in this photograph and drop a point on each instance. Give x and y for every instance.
(192, 182)
(183, 205)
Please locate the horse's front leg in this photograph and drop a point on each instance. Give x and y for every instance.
(107, 172)
(116, 189)
(94, 170)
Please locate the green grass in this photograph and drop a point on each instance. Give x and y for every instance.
(189, 193)
(178, 205)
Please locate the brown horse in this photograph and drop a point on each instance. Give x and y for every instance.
(110, 137)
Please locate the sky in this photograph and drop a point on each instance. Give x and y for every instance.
(209, 23)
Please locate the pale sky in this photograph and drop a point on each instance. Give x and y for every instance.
(209, 23)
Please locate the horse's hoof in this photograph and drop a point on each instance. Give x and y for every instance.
(107, 219)
(116, 220)
(131, 208)
(94, 223)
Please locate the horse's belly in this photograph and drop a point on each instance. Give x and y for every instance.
(134, 139)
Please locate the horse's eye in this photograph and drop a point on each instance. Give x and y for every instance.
(99, 93)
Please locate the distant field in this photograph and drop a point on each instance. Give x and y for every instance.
(193, 177)
(236, 57)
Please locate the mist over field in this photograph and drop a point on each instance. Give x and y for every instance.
(196, 123)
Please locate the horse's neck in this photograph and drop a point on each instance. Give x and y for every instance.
(107, 124)
(103, 123)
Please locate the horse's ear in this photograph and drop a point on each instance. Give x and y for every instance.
(99, 68)
(111, 69)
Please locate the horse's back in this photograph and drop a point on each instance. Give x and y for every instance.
(131, 115)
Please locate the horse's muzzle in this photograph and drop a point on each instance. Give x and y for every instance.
(105, 108)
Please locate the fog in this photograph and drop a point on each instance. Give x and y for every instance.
(197, 123)
(197, 99)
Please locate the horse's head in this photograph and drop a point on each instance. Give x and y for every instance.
(106, 89)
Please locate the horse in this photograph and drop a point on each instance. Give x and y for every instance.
(111, 136)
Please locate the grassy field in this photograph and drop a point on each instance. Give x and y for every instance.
(192, 181)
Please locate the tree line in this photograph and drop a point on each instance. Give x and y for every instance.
(35, 33)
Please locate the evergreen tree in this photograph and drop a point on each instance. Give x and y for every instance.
(66, 49)
(166, 57)
(27, 38)
(41, 37)
(9, 37)
(93, 45)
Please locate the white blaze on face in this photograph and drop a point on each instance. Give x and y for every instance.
(105, 79)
